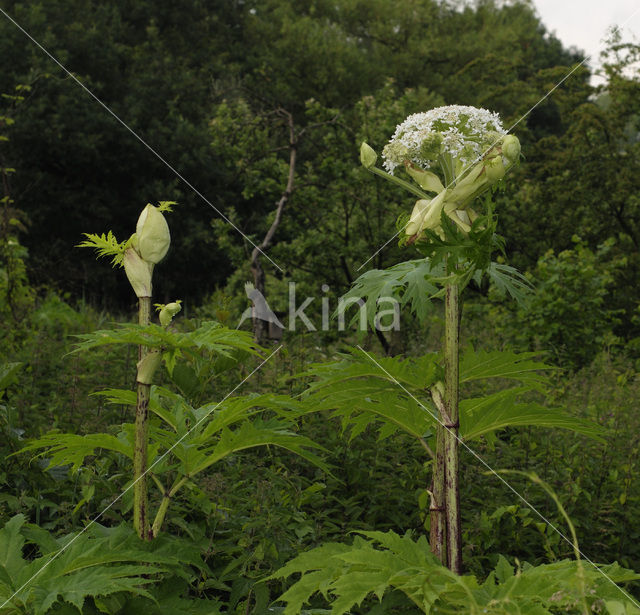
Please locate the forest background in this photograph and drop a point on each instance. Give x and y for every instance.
(225, 92)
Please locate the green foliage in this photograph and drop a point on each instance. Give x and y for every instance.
(417, 283)
(98, 566)
(393, 392)
(106, 245)
(331, 65)
(188, 440)
(17, 295)
(593, 481)
(412, 283)
(571, 314)
(209, 336)
(240, 64)
(8, 375)
(377, 563)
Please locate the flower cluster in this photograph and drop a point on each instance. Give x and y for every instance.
(463, 133)
(468, 145)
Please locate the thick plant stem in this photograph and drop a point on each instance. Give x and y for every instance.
(140, 503)
(437, 519)
(164, 506)
(450, 419)
(160, 515)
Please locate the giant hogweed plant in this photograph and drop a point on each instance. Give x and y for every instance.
(470, 153)
(453, 158)
(171, 442)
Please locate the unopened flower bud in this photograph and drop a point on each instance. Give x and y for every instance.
(139, 272)
(461, 218)
(471, 185)
(167, 312)
(368, 156)
(511, 149)
(153, 235)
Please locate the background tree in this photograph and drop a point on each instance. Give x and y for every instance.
(165, 70)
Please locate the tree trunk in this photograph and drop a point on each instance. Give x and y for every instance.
(260, 326)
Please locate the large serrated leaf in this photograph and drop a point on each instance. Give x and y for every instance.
(411, 283)
(11, 543)
(346, 575)
(97, 562)
(416, 372)
(209, 336)
(509, 281)
(71, 449)
(487, 414)
(255, 433)
(484, 364)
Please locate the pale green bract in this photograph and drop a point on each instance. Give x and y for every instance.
(462, 132)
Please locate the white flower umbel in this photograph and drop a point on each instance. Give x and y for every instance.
(454, 132)
(454, 152)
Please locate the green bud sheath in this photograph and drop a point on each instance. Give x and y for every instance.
(368, 156)
(148, 365)
(168, 312)
(139, 272)
(426, 214)
(494, 169)
(153, 235)
(419, 211)
(425, 179)
(465, 192)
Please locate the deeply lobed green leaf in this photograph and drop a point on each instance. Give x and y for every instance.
(377, 563)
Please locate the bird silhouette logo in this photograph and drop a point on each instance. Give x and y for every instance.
(260, 308)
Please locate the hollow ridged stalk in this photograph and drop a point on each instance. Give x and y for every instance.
(164, 506)
(140, 498)
(437, 519)
(450, 418)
